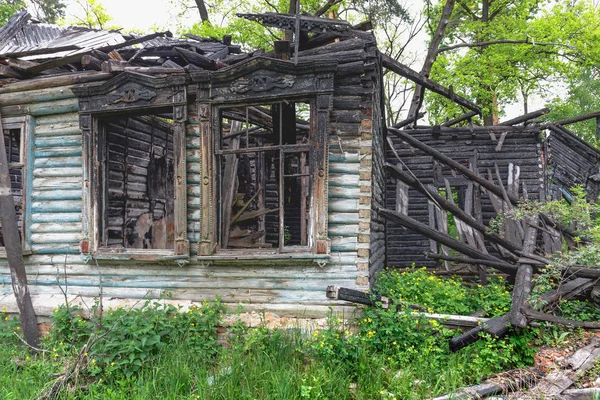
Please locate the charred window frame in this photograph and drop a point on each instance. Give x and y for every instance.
(265, 160)
(118, 113)
(16, 132)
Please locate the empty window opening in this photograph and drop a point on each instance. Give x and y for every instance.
(136, 182)
(14, 156)
(264, 160)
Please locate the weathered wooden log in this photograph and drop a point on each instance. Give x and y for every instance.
(580, 394)
(498, 326)
(467, 260)
(512, 381)
(197, 59)
(54, 81)
(356, 296)
(523, 281)
(344, 45)
(458, 119)
(409, 73)
(540, 316)
(89, 62)
(14, 251)
(409, 121)
(446, 240)
(526, 117)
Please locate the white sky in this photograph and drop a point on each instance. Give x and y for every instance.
(148, 15)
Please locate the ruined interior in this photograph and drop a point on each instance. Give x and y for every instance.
(265, 158)
(136, 162)
(14, 154)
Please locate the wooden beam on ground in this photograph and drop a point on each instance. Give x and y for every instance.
(540, 316)
(498, 326)
(409, 73)
(511, 381)
(356, 296)
(526, 117)
(14, 251)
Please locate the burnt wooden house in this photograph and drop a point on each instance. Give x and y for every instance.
(147, 165)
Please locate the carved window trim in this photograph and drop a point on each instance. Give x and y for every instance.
(127, 94)
(262, 81)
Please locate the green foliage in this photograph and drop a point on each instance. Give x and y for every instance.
(94, 15)
(557, 47)
(444, 295)
(8, 325)
(8, 8)
(128, 339)
(49, 11)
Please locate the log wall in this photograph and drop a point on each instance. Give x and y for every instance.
(571, 162)
(287, 288)
(405, 247)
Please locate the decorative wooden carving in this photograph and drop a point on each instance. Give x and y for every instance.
(131, 95)
(261, 83)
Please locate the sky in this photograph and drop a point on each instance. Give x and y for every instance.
(154, 15)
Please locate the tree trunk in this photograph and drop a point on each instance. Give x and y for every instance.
(432, 52)
(202, 10)
(14, 253)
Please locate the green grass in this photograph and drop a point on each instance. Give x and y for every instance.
(159, 352)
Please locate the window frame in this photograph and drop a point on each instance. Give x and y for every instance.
(261, 81)
(309, 248)
(126, 94)
(24, 124)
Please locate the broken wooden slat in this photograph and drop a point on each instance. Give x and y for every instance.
(197, 59)
(459, 119)
(540, 316)
(574, 366)
(254, 214)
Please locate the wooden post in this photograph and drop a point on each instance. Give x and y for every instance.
(14, 252)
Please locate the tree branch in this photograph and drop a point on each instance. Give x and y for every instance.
(503, 41)
(326, 7)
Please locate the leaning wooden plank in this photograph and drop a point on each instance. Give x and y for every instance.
(356, 296)
(14, 251)
(408, 73)
(230, 177)
(254, 214)
(510, 381)
(414, 183)
(580, 394)
(409, 121)
(197, 59)
(467, 260)
(106, 49)
(523, 280)
(540, 316)
(459, 119)
(424, 230)
(526, 117)
(574, 366)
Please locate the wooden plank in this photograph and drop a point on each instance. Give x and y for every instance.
(408, 73)
(229, 184)
(356, 296)
(523, 280)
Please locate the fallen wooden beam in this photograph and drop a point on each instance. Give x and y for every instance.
(526, 117)
(523, 280)
(356, 296)
(509, 381)
(407, 72)
(498, 326)
(459, 119)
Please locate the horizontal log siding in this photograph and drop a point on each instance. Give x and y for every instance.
(405, 247)
(290, 289)
(378, 186)
(570, 163)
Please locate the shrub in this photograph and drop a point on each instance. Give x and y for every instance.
(128, 339)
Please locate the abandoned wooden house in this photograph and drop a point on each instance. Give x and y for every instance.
(147, 165)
